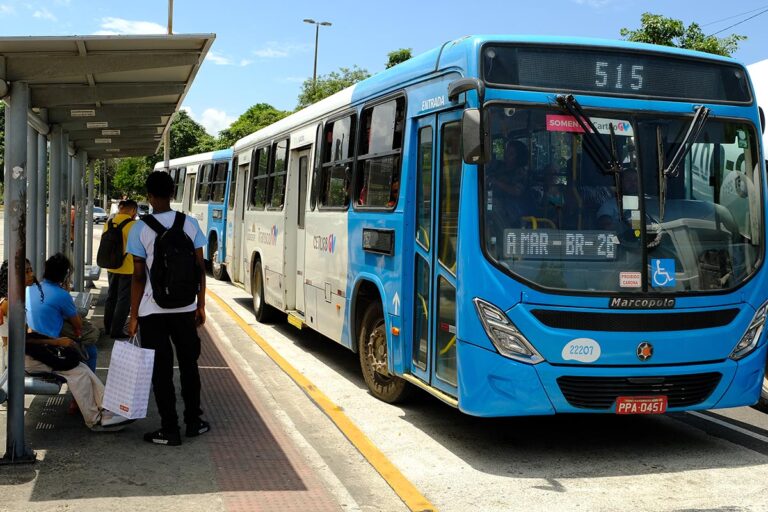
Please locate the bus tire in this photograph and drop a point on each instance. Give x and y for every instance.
(762, 403)
(264, 312)
(218, 270)
(372, 349)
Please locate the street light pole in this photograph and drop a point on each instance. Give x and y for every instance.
(317, 25)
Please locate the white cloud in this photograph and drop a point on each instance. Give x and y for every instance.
(275, 50)
(218, 58)
(245, 62)
(215, 120)
(44, 14)
(6, 9)
(114, 26)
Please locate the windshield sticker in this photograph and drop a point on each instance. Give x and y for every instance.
(561, 123)
(584, 350)
(630, 279)
(663, 272)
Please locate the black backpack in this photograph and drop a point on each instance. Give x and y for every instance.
(175, 276)
(111, 251)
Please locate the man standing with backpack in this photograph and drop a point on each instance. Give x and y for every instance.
(113, 256)
(168, 304)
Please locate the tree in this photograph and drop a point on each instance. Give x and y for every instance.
(658, 29)
(329, 84)
(398, 56)
(130, 177)
(187, 138)
(255, 118)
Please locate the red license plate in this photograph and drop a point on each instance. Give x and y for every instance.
(641, 404)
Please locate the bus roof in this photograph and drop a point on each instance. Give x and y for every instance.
(219, 154)
(460, 55)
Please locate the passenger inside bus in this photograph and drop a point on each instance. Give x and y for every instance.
(608, 217)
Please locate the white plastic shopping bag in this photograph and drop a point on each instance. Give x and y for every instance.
(129, 379)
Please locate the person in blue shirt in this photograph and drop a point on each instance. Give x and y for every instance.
(164, 329)
(51, 310)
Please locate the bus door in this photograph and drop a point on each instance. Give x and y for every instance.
(433, 355)
(235, 211)
(300, 232)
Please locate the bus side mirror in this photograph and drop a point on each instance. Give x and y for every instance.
(762, 119)
(474, 148)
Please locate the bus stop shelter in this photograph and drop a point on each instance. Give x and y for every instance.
(71, 101)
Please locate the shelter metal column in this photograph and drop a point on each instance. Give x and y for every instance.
(15, 216)
(89, 216)
(66, 166)
(54, 202)
(78, 257)
(32, 195)
(42, 169)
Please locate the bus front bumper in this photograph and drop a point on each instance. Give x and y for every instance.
(493, 385)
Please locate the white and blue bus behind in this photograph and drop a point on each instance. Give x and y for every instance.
(522, 226)
(201, 186)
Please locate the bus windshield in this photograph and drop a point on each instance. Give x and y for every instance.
(555, 218)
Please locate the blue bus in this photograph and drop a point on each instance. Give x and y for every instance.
(520, 226)
(201, 189)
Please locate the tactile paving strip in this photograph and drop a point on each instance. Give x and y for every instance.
(258, 468)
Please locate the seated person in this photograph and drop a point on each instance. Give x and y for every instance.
(514, 161)
(608, 217)
(51, 310)
(86, 388)
(557, 205)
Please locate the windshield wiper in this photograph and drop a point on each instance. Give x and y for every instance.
(671, 169)
(604, 155)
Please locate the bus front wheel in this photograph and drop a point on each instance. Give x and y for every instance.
(264, 312)
(372, 349)
(218, 269)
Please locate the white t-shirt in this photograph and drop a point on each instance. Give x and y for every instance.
(141, 243)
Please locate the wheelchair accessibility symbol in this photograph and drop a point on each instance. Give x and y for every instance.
(662, 272)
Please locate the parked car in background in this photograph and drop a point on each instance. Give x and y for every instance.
(99, 215)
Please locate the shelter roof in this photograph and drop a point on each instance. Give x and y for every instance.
(114, 95)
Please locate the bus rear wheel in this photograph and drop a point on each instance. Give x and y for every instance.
(264, 312)
(762, 403)
(372, 349)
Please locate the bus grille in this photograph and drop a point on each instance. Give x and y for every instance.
(634, 322)
(601, 392)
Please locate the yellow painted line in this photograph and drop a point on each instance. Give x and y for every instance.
(407, 492)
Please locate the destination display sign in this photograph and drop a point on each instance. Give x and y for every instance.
(550, 244)
(615, 72)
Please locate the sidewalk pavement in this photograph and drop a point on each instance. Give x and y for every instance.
(246, 462)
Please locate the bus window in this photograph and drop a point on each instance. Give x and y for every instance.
(316, 172)
(424, 188)
(279, 171)
(218, 182)
(445, 367)
(378, 164)
(204, 177)
(337, 161)
(260, 163)
(233, 184)
(450, 180)
(179, 184)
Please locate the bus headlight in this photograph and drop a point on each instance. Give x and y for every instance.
(507, 339)
(751, 337)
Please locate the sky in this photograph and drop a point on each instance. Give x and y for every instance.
(263, 51)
